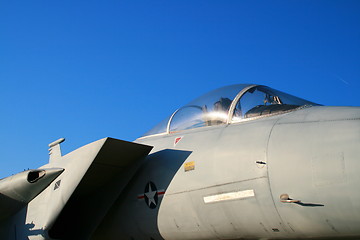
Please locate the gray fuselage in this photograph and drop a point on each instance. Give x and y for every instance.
(225, 181)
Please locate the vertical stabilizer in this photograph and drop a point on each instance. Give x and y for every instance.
(55, 150)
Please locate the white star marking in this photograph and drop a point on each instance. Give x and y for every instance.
(150, 195)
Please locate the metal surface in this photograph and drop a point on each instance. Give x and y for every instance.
(289, 175)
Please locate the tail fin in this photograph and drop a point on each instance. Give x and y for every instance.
(55, 150)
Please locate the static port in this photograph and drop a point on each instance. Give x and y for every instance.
(34, 176)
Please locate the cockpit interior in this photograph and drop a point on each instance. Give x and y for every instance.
(230, 104)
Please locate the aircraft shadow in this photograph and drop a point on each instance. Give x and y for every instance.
(309, 204)
(156, 172)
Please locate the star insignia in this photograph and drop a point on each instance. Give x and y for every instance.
(151, 195)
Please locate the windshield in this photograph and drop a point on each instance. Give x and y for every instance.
(261, 100)
(229, 104)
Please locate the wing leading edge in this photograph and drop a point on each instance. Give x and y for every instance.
(18, 190)
(68, 197)
(109, 173)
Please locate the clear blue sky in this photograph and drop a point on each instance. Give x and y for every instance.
(85, 70)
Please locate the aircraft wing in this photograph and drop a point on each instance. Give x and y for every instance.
(18, 190)
(110, 171)
(68, 198)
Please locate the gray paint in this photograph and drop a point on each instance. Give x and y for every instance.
(231, 190)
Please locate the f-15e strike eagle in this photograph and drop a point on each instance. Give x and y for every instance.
(241, 162)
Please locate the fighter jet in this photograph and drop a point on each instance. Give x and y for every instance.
(241, 162)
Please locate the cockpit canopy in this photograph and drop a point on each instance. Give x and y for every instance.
(230, 104)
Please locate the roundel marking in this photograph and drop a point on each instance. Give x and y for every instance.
(151, 195)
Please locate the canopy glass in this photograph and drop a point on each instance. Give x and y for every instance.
(230, 104)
